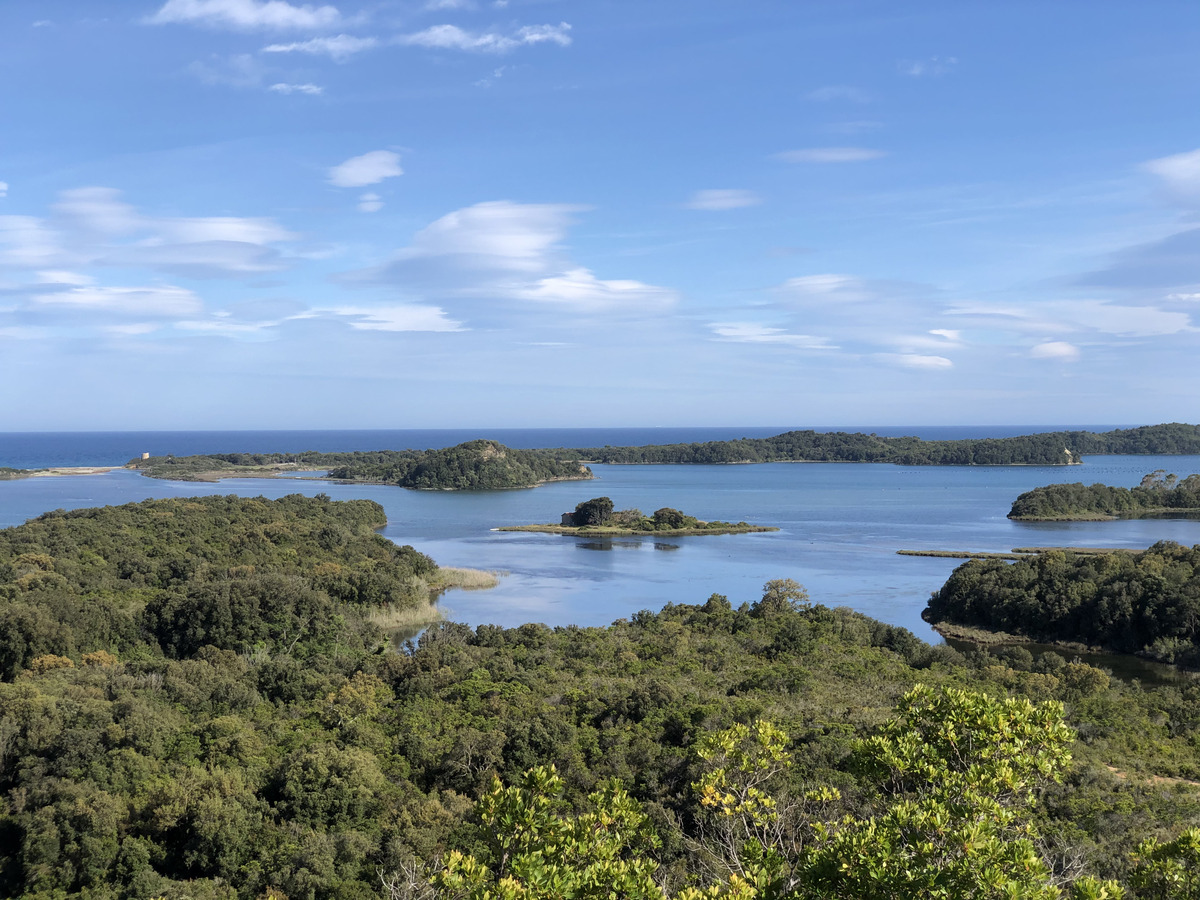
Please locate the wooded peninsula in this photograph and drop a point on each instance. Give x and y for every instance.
(1159, 495)
(195, 703)
(597, 518)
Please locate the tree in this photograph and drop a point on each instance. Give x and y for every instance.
(593, 512)
(538, 849)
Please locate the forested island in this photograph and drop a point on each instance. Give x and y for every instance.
(472, 466)
(597, 517)
(489, 465)
(1146, 603)
(194, 703)
(1159, 494)
(1055, 448)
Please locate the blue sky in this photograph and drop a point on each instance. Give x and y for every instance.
(460, 213)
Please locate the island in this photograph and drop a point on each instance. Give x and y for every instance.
(1158, 496)
(1145, 603)
(483, 465)
(234, 573)
(480, 465)
(598, 518)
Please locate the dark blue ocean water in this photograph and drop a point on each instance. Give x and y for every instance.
(28, 450)
(841, 524)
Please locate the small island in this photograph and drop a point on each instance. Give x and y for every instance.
(598, 518)
(1158, 496)
(481, 465)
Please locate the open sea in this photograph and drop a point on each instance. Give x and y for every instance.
(841, 524)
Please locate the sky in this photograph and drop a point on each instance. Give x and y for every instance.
(223, 214)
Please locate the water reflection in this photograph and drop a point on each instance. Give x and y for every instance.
(616, 544)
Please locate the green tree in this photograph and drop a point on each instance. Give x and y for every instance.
(537, 849)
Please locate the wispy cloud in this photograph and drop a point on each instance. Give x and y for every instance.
(830, 155)
(3, 189)
(166, 300)
(755, 333)
(1180, 173)
(370, 168)
(501, 250)
(1059, 350)
(932, 67)
(916, 361)
(451, 37)
(339, 47)
(722, 199)
(370, 203)
(394, 317)
(241, 70)
(246, 15)
(313, 90)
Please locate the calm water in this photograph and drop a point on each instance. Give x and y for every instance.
(841, 523)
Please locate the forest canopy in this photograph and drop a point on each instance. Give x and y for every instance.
(1159, 494)
(1146, 603)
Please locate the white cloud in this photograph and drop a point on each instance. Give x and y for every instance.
(98, 209)
(339, 48)
(3, 189)
(1080, 316)
(451, 37)
(829, 155)
(96, 217)
(370, 203)
(397, 317)
(370, 168)
(501, 250)
(950, 334)
(827, 287)
(434, 5)
(499, 234)
(581, 289)
(284, 88)
(933, 66)
(1180, 173)
(754, 333)
(838, 92)
(1055, 350)
(1183, 297)
(917, 361)
(166, 300)
(26, 241)
(722, 199)
(246, 15)
(75, 279)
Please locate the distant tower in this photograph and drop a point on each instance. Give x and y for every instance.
(145, 456)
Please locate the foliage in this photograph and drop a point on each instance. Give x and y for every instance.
(1048, 449)
(1158, 494)
(537, 849)
(1146, 602)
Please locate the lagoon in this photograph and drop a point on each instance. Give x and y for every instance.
(841, 525)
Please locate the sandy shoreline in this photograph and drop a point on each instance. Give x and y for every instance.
(71, 470)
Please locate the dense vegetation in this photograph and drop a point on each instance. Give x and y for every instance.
(473, 466)
(598, 516)
(1047, 449)
(1146, 603)
(238, 574)
(1159, 494)
(196, 716)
